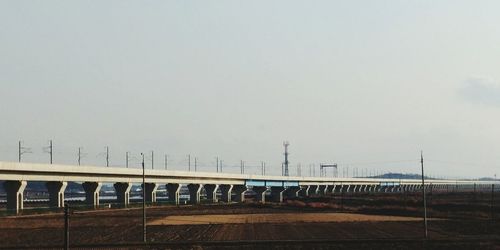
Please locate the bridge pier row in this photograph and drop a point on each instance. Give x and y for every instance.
(292, 192)
(173, 190)
(240, 191)
(277, 194)
(260, 193)
(122, 190)
(304, 191)
(194, 193)
(56, 192)
(92, 193)
(211, 190)
(226, 191)
(150, 192)
(15, 194)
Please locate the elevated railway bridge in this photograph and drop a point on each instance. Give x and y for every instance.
(232, 187)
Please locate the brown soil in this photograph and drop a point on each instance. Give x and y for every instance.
(367, 222)
(274, 218)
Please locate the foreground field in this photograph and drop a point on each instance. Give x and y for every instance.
(360, 222)
(274, 218)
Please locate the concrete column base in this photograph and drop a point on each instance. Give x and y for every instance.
(92, 193)
(321, 189)
(211, 190)
(122, 190)
(56, 192)
(194, 193)
(226, 191)
(173, 190)
(330, 189)
(15, 196)
(240, 191)
(277, 194)
(304, 191)
(150, 192)
(292, 192)
(260, 193)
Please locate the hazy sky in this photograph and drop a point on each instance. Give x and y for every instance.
(367, 84)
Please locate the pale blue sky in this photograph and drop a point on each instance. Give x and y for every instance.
(344, 81)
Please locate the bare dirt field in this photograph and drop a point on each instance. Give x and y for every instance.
(275, 218)
(357, 222)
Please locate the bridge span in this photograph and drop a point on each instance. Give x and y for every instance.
(232, 187)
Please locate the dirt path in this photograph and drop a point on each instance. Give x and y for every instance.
(274, 218)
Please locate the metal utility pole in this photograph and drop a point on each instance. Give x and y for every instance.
(241, 167)
(217, 163)
(262, 167)
(166, 162)
(66, 226)
(423, 193)
(189, 162)
(195, 163)
(152, 159)
(79, 155)
(23, 150)
(126, 159)
(107, 156)
(51, 151)
(286, 144)
(144, 234)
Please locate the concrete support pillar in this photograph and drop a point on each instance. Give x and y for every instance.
(92, 193)
(226, 191)
(14, 190)
(277, 194)
(330, 189)
(260, 193)
(211, 190)
(315, 189)
(348, 188)
(122, 190)
(292, 192)
(304, 191)
(240, 191)
(321, 189)
(56, 192)
(173, 190)
(150, 192)
(194, 193)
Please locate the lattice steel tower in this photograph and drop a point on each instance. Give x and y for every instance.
(286, 144)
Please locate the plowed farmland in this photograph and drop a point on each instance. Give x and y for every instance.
(356, 222)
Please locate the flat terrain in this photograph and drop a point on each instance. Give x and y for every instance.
(386, 221)
(274, 218)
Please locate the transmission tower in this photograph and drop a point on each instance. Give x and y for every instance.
(286, 144)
